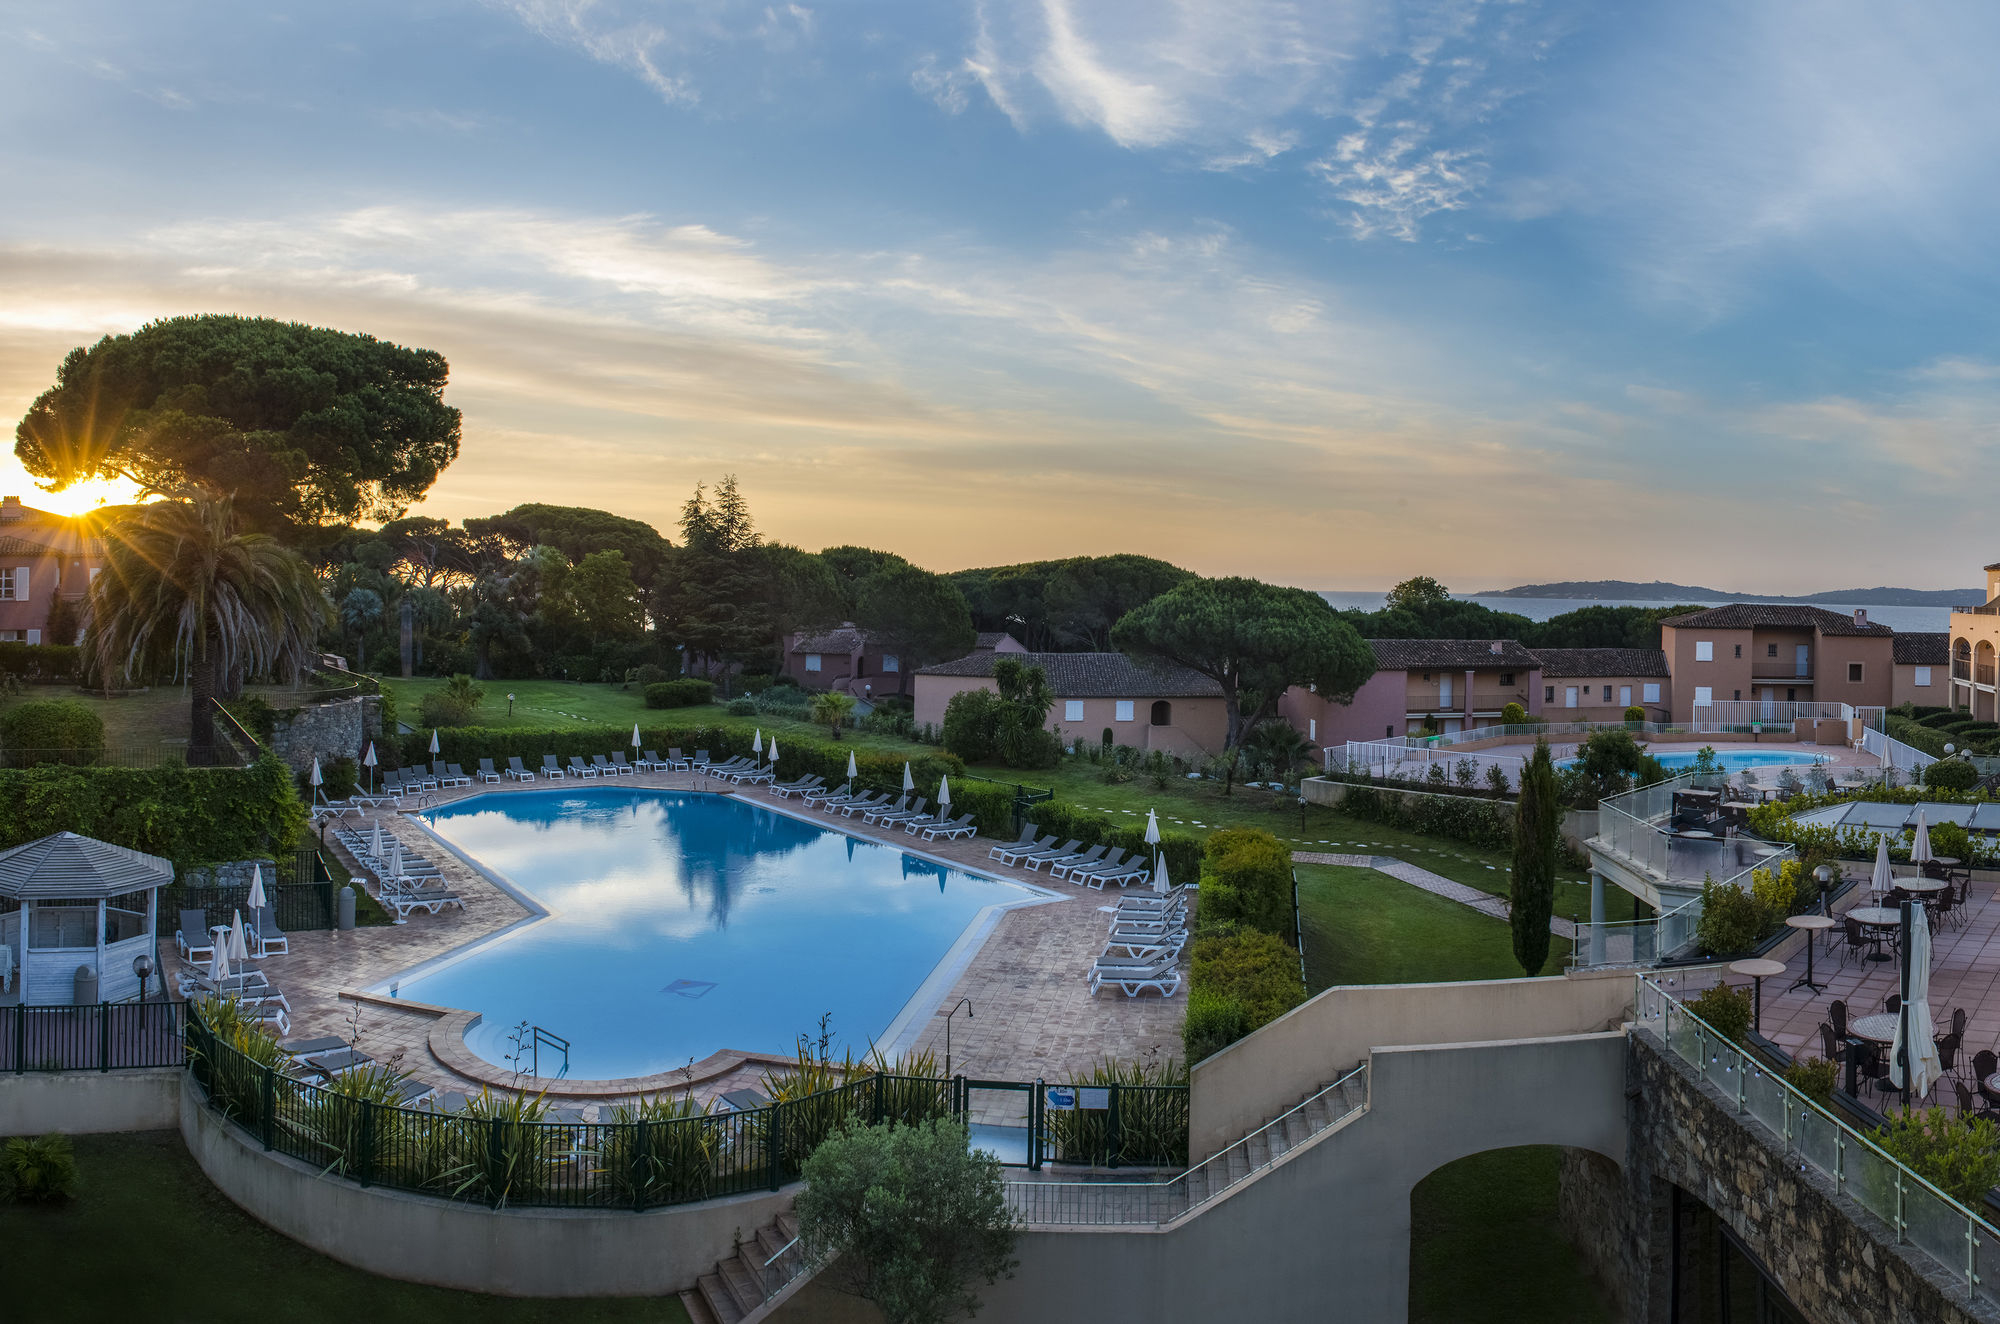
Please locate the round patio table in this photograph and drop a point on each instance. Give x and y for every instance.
(1696, 832)
(1758, 969)
(1922, 884)
(1877, 917)
(1877, 1029)
(1814, 925)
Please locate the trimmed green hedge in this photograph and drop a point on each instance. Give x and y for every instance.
(680, 694)
(51, 731)
(1182, 849)
(188, 815)
(1916, 735)
(1487, 824)
(1248, 879)
(1238, 982)
(40, 662)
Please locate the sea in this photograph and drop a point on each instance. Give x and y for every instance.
(1908, 619)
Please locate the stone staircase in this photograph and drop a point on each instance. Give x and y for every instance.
(1327, 1104)
(741, 1284)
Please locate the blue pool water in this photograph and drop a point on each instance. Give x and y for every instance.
(1731, 760)
(682, 924)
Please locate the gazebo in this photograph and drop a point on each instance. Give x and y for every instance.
(67, 901)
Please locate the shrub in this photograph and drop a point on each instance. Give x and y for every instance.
(1916, 735)
(1214, 1021)
(972, 725)
(648, 674)
(1813, 1077)
(687, 693)
(1731, 920)
(1951, 775)
(1959, 1155)
(907, 1217)
(1251, 871)
(789, 700)
(1476, 822)
(256, 714)
(830, 710)
(1726, 1010)
(1258, 971)
(439, 708)
(741, 708)
(37, 1169)
(189, 815)
(41, 662)
(51, 731)
(1513, 714)
(1635, 714)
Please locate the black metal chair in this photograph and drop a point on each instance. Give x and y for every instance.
(1859, 940)
(1894, 1003)
(1839, 1013)
(1984, 1064)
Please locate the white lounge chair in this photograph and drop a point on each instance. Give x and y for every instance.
(803, 786)
(961, 826)
(1009, 851)
(551, 768)
(1134, 978)
(861, 804)
(602, 766)
(621, 767)
(192, 939)
(578, 768)
(1147, 946)
(266, 938)
(1035, 858)
(1058, 868)
(516, 772)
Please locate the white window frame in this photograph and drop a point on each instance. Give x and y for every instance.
(812, 661)
(1569, 696)
(1123, 712)
(1624, 696)
(1652, 693)
(34, 636)
(1072, 710)
(7, 586)
(1312, 728)
(1704, 696)
(1921, 677)
(1704, 650)
(891, 663)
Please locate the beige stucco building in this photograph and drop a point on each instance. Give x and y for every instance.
(1922, 669)
(1750, 652)
(1600, 684)
(1975, 647)
(1099, 696)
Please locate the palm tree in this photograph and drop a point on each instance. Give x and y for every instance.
(181, 588)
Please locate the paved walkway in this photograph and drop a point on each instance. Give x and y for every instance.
(1436, 884)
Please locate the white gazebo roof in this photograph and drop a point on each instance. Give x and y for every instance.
(66, 865)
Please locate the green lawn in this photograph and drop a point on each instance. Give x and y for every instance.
(148, 1236)
(1485, 1247)
(134, 722)
(1364, 927)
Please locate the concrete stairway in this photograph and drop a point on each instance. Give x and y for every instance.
(1280, 1135)
(742, 1283)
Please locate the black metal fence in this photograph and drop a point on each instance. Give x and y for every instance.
(1114, 1126)
(299, 888)
(105, 1037)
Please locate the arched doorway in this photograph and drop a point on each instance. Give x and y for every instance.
(1163, 713)
(1487, 1244)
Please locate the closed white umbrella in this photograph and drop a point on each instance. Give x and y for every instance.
(368, 762)
(757, 742)
(635, 735)
(375, 845)
(944, 796)
(1920, 849)
(1913, 1026)
(239, 950)
(1883, 880)
(909, 782)
(851, 769)
(434, 740)
(256, 898)
(314, 778)
(1152, 828)
(218, 963)
(774, 749)
(1160, 883)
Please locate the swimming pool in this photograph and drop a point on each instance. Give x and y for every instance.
(680, 924)
(1730, 760)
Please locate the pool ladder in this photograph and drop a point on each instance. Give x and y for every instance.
(556, 1043)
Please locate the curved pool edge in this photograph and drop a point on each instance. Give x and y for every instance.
(446, 1039)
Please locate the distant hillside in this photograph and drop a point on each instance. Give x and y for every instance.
(1591, 590)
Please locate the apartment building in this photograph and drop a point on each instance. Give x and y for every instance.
(1750, 652)
(1975, 646)
(43, 556)
(1108, 697)
(1922, 675)
(1601, 684)
(1423, 684)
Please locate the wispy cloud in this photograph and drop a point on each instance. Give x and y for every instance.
(664, 42)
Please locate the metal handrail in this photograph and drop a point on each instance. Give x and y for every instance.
(1711, 1045)
(1181, 1180)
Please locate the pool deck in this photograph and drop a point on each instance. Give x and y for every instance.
(1033, 1015)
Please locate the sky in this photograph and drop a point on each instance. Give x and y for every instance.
(1329, 293)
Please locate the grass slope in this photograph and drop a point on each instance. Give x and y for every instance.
(148, 1235)
(1364, 927)
(1485, 1246)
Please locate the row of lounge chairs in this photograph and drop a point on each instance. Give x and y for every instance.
(405, 881)
(1144, 947)
(1092, 867)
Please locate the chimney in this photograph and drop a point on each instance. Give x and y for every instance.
(1860, 618)
(11, 508)
(1495, 648)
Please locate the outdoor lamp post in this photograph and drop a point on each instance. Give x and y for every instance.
(142, 966)
(510, 705)
(1825, 877)
(1302, 811)
(962, 1002)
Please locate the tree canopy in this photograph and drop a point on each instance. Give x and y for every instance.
(576, 532)
(1068, 604)
(1537, 846)
(1255, 640)
(302, 424)
(1419, 593)
(921, 615)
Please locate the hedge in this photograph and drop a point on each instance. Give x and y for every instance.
(1182, 849)
(188, 815)
(43, 662)
(1248, 878)
(51, 731)
(1486, 824)
(1916, 735)
(1237, 983)
(680, 694)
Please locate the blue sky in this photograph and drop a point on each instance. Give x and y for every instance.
(1329, 293)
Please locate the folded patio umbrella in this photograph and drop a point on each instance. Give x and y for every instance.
(218, 964)
(1883, 879)
(1920, 849)
(909, 782)
(434, 740)
(1160, 883)
(944, 796)
(256, 900)
(239, 950)
(375, 842)
(774, 749)
(1914, 1026)
(850, 765)
(1152, 828)
(635, 735)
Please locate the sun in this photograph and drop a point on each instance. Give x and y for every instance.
(76, 499)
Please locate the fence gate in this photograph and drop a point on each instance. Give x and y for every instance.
(1005, 1119)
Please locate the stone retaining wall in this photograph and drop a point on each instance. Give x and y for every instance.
(329, 731)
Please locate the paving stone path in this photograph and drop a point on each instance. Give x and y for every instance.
(1437, 885)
